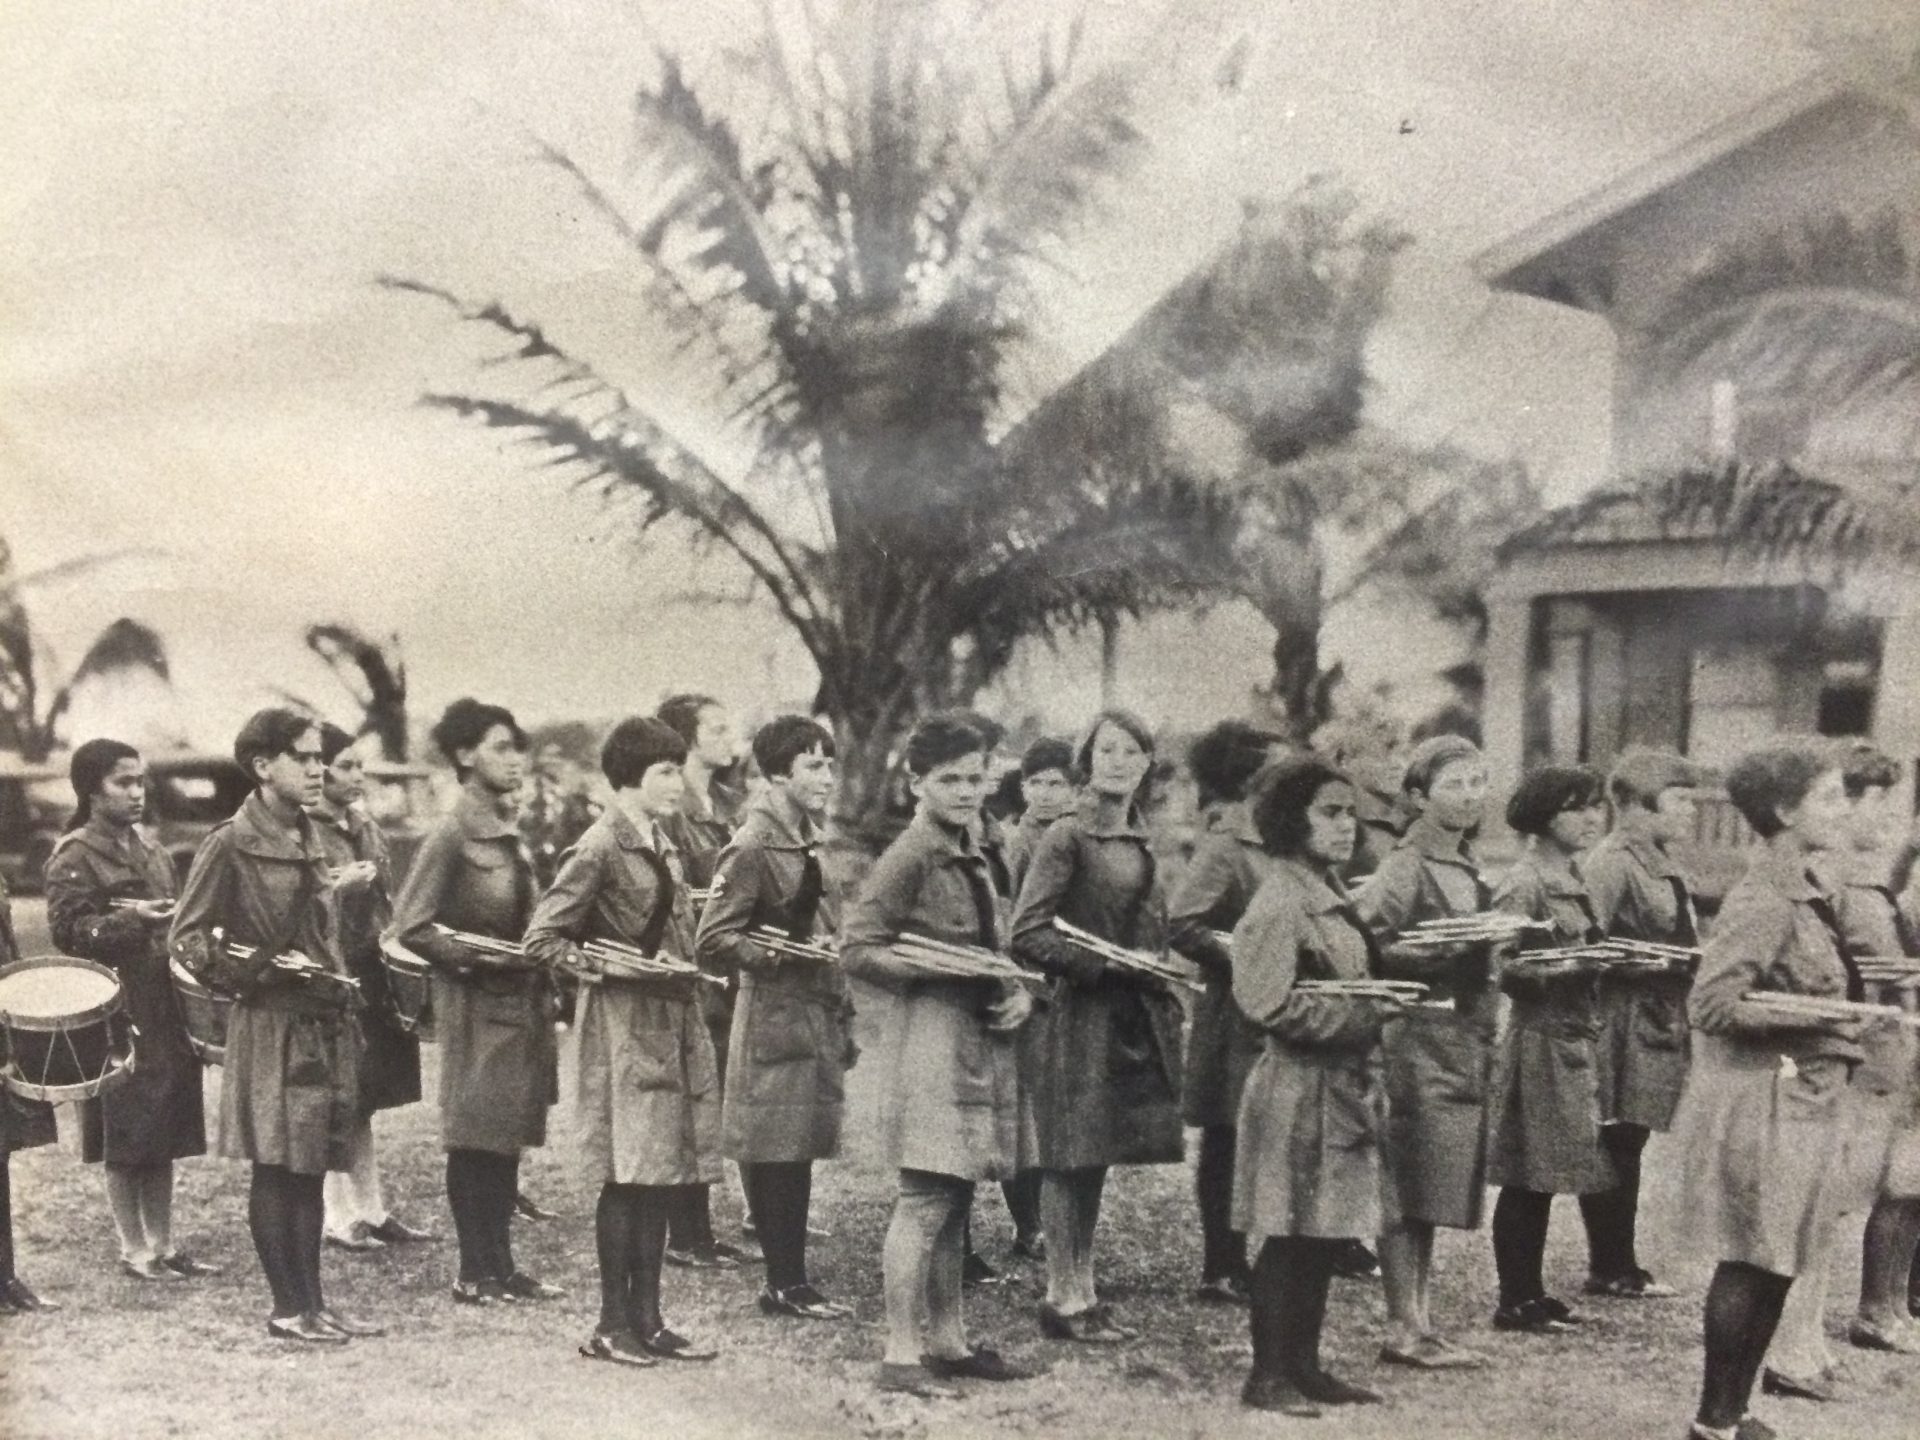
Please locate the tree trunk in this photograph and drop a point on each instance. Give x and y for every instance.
(1109, 661)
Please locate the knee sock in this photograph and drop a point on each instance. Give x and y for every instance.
(1520, 1220)
(305, 1197)
(467, 1198)
(781, 1194)
(156, 1206)
(505, 1170)
(1309, 1280)
(651, 1205)
(928, 1209)
(614, 1242)
(270, 1219)
(690, 1226)
(123, 1200)
(1743, 1307)
(1267, 1316)
(1223, 1250)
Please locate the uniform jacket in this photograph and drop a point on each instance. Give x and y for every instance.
(1211, 896)
(949, 1088)
(288, 1093)
(1307, 1160)
(1438, 1063)
(700, 830)
(473, 872)
(155, 1114)
(646, 1091)
(792, 1036)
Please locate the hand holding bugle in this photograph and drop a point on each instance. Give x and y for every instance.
(788, 948)
(301, 968)
(1404, 992)
(1138, 962)
(629, 962)
(1489, 927)
(943, 960)
(127, 902)
(491, 949)
(1830, 1007)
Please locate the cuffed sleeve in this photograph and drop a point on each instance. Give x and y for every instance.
(1753, 930)
(560, 918)
(1035, 941)
(419, 901)
(1203, 902)
(741, 882)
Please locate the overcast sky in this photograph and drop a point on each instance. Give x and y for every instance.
(194, 198)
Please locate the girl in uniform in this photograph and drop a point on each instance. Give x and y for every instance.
(1437, 1061)
(23, 1125)
(1763, 1126)
(287, 1101)
(154, 1116)
(645, 1091)
(356, 851)
(1639, 893)
(494, 1024)
(1307, 1177)
(1108, 1091)
(792, 1024)
(1048, 793)
(951, 1104)
(1208, 902)
(1546, 1094)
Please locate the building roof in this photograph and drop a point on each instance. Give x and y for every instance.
(1514, 264)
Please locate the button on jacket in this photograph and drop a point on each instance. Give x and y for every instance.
(1639, 893)
(792, 1036)
(1208, 901)
(1307, 1160)
(1438, 1062)
(498, 1073)
(1109, 1084)
(1763, 1128)
(950, 1099)
(287, 1094)
(155, 1113)
(646, 1093)
(1546, 1087)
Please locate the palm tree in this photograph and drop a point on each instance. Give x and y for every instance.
(27, 725)
(844, 285)
(372, 672)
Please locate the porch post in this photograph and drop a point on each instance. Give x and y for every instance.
(1503, 721)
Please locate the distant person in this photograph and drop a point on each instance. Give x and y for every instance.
(1049, 790)
(362, 894)
(1228, 865)
(951, 1109)
(1763, 1129)
(1640, 892)
(493, 1022)
(1371, 751)
(645, 1091)
(287, 1100)
(557, 811)
(709, 810)
(1437, 1061)
(23, 1125)
(110, 896)
(1109, 1087)
(793, 1023)
(1546, 1096)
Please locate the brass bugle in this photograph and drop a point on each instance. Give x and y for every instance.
(630, 960)
(491, 945)
(305, 969)
(1408, 990)
(126, 902)
(1830, 1007)
(939, 958)
(794, 949)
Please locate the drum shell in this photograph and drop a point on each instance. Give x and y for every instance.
(410, 988)
(204, 1012)
(67, 1057)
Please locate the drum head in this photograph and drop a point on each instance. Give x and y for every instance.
(56, 991)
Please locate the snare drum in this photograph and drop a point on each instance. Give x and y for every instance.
(409, 987)
(205, 1012)
(67, 1032)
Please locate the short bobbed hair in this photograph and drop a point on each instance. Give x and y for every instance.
(1777, 777)
(635, 746)
(1553, 790)
(268, 733)
(1227, 756)
(334, 741)
(465, 723)
(784, 739)
(1047, 754)
(683, 713)
(1432, 756)
(1282, 793)
(940, 740)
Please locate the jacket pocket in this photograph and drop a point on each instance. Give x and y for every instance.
(1812, 1093)
(649, 1056)
(1349, 1109)
(309, 1055)
(1659, 1020)
(781, 1029)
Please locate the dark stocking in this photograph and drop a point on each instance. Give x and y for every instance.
(306, 1199)
(690, 1226)
(651, 1205)
(1022, 1194)
(1520, 1243)
(270, 1217)
(1223, 1249)
(614, 1241)
(1612, 1216)
(466, 1186)
(1743, 1307)
(780, 1195)
(502, 1191)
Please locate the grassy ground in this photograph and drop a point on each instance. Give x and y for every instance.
(133, 1360)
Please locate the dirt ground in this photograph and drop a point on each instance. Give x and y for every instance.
(131, 1360)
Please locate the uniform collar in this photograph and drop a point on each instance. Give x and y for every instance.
(1435, 843)
(1657, 862)
(1790, 872)
(1128, 828)
(626, 832)
(942, 839)
(481, 819)
(1557, 874)
(783, 824)
(257, 832)
(1317, 893)
(107, 841)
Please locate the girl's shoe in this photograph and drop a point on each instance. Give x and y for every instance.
(621, 1347)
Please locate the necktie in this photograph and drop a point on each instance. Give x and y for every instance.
(806, 900)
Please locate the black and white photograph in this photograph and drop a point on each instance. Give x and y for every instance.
(949, 718)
